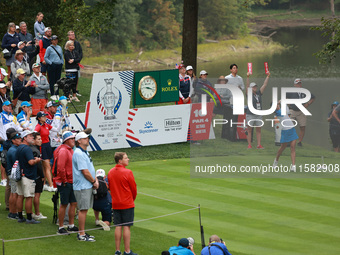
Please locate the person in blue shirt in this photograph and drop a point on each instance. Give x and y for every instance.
(216, 247)
(14, 139)
(183, 248)
(24, 117)
(54, 60)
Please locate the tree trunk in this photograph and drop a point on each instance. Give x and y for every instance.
(189, 43)
(332, 8)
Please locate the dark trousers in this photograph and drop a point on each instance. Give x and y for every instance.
(54, 73)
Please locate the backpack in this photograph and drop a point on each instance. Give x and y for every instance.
(102, 189)
(16, 172)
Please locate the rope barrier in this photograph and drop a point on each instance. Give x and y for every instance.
(91, 229)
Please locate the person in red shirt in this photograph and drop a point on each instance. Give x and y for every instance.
(64, 181)
(123, 190)
(46, 151)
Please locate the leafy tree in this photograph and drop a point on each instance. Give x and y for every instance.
(124, 25)
(330, 28)
(158, 27)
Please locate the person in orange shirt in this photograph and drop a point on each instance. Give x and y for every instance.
(123, 190)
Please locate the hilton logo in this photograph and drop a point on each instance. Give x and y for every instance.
(173, 124)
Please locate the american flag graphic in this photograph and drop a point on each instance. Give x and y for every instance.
(130, 135)
(127, 79)
(99, 103)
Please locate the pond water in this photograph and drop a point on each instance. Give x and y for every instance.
(297, 62)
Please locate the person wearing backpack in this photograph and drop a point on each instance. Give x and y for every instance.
(102, 202)
(63, 178)
(216, 247)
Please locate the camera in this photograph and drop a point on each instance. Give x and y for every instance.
(65, 84)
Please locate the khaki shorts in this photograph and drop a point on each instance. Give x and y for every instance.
(26, 187)
(84, 198)
(299, 117)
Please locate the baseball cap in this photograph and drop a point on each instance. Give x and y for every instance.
(335, 103)
(10, 133)
(298, 80)
(47, 28)
(25, 103)
(36, 65)
(81, 135)
(17, 27)
(3, 71)
(203, 72)
(67, 135)
(41, 114)
(7, 103)
(189, 68)
(100, 172)
(181, 66)
(2, 85)
(25, 133)
(51, 103)
(184, 242)
(62, 98)
(20, 43)
(20, 70)
(54, 37)
(253, 84)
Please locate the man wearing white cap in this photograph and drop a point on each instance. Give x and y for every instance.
(62, 170)
(84, 182)
(295, 112)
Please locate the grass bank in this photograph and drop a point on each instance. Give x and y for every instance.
(162, 59)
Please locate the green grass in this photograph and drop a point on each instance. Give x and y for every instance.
(253, 216)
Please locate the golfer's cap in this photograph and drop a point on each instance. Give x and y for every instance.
(25, 133)
(25, 103)
(189, 68)
(20, 71)
(7, 103)
(67, 135)
(298, 80)
(100, 172)
(3, 71)
(81, 135)
(253, 84)
(184, 242)
(203, 72)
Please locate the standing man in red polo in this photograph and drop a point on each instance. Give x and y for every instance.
(123, 191)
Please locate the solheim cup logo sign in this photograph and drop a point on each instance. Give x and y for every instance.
(107, 102)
